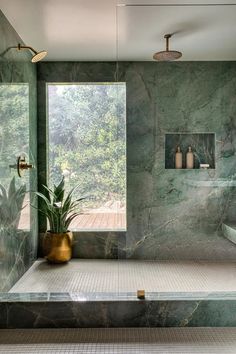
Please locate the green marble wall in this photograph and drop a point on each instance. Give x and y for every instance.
(18, 238)
(171, 214)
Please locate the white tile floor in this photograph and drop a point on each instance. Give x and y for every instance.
(128, 276)
(120, 341)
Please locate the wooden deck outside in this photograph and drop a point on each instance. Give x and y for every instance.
(98, 219)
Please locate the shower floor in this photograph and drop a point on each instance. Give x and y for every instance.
(120, 341)
(89, 276)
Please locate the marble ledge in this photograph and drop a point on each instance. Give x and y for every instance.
(188, 312)
(115, 297)
(218, 183)
(229, 231)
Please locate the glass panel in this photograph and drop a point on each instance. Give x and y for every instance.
(87, 145)
(181, 139)
(14, 193)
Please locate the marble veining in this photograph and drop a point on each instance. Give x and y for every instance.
(167, 217)
(118, 311)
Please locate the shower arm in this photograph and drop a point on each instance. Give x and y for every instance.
(20, 47)
(167, 37)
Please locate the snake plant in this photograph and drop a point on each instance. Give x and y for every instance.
(59, 209)
(11, 204)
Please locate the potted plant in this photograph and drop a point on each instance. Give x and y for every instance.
(60, 210)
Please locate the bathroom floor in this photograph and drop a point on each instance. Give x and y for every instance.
(123, 341)
(83, 275)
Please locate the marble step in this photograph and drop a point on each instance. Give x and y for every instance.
(65, 310)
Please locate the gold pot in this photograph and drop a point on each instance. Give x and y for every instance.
(57, 248)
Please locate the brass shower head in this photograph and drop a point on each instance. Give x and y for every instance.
(167, 55)
(37, 56)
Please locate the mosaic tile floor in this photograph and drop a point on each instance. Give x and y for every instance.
(91, 276)
(120, 341)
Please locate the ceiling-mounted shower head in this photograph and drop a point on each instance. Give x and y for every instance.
(167, 55)
(37, 55)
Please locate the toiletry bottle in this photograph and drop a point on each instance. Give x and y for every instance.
(189, 158)
(178, 158)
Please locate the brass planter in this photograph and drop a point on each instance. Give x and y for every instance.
(57, 248)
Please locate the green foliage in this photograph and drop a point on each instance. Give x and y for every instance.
(11, 204)
(59, 210)
(87, 139)
(14, 128)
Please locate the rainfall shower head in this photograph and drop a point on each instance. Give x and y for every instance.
(167, 55)
(37, 56)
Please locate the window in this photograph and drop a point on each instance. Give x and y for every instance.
(87, 145)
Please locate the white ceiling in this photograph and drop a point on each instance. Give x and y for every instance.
(101, 30)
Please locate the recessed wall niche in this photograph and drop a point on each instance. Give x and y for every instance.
(202, 145)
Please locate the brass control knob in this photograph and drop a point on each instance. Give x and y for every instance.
(22, 165)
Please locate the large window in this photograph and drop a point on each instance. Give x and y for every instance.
(87, 145)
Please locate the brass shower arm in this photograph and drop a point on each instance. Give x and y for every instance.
(36, 56)
(167, 37)
(20, 47)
